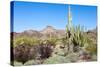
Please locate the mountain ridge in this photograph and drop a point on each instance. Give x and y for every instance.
(49, 31)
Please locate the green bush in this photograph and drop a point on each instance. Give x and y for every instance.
(28, 48)
(17, 63)
(32, 62)
(25, 40)
(72, 57)
(56, 59)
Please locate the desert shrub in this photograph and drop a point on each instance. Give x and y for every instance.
(60, 50)
(84, 55)
(25, 40)
(22, 48)
(17, 63)
(21, 53)
(46, 49)
(52, 40)
(42, 52)
(72, 57)
(94, 57)
(55, 59)
(91, 47)
(26, 48)
(33, 62)
(30, 62)
(60, 55)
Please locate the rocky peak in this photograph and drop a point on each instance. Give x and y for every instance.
(48, 29)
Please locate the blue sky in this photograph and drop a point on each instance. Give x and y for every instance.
(36, 16)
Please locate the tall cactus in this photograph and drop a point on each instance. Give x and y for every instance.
(69, 29)
(74, 33)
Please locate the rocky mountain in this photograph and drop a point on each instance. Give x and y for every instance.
(31, 33)
(49, 31)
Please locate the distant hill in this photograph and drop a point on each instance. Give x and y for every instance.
(50, 31)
